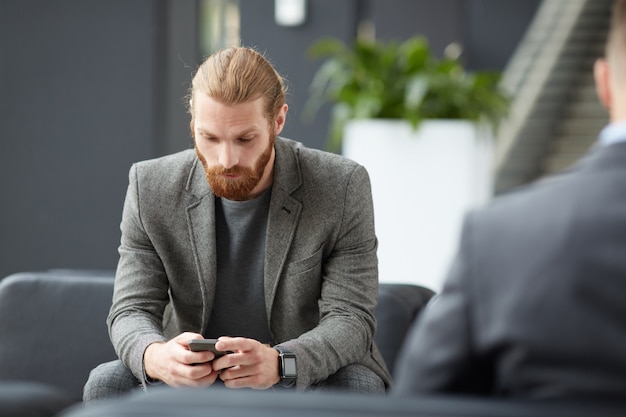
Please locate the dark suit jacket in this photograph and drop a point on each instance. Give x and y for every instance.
(321, 275)
(535, 303)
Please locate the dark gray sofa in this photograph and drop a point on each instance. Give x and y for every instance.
(53, 332)
(170, 402)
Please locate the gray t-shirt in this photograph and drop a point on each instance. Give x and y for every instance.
(239, 304)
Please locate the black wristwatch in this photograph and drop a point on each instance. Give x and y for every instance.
(287, 368)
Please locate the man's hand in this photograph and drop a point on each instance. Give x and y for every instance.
(174, 364)
(251, 365)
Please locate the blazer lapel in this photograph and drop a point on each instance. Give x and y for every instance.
(283, 217)
(201, 222)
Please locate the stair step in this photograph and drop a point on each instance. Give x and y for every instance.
(581, 126)
(587, 109)
(586, 93)
(573, 146)
(559, 164)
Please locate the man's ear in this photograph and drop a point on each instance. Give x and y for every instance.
(602, 77)
(281, 118)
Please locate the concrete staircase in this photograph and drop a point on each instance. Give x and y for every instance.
(555, 114)
(583, 115)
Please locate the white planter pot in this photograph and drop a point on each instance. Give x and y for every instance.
(422, 182)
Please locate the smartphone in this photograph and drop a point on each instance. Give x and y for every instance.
(199, 345)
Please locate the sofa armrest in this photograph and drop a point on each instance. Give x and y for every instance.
(398, 306)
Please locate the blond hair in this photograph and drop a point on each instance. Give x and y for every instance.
(238, 75)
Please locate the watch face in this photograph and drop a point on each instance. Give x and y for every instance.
(289, 367)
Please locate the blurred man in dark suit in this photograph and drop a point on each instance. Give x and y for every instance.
(534, 305)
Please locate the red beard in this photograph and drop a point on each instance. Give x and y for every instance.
(237, 189)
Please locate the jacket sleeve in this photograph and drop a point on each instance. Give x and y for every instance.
(349, 292)
(141, 289)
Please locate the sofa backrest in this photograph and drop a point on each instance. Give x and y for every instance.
(162, 401)
(53, 331)
(52, 327)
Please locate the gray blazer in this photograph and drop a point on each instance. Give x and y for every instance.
(321, 276)
(534, 305)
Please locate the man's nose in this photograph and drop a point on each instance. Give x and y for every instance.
(228, 156)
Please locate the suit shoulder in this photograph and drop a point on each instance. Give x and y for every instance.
(534, 193)
(319, 161)
(179, 159)
(166, 171)
(538, 206)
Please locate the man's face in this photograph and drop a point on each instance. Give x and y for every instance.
(235, 144)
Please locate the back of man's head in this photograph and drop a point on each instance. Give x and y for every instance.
(616, 43)
(610, 72)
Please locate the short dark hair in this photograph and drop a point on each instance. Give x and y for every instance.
(616, 43)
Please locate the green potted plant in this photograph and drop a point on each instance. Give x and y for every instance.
(393, 80)
(417, 123)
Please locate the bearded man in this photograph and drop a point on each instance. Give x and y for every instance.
(251, 239)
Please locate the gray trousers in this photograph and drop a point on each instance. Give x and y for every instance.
(113, 379)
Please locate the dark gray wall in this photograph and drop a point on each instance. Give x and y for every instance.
(495, 29)
(441, 21)
(488, 30)
(84, 91)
